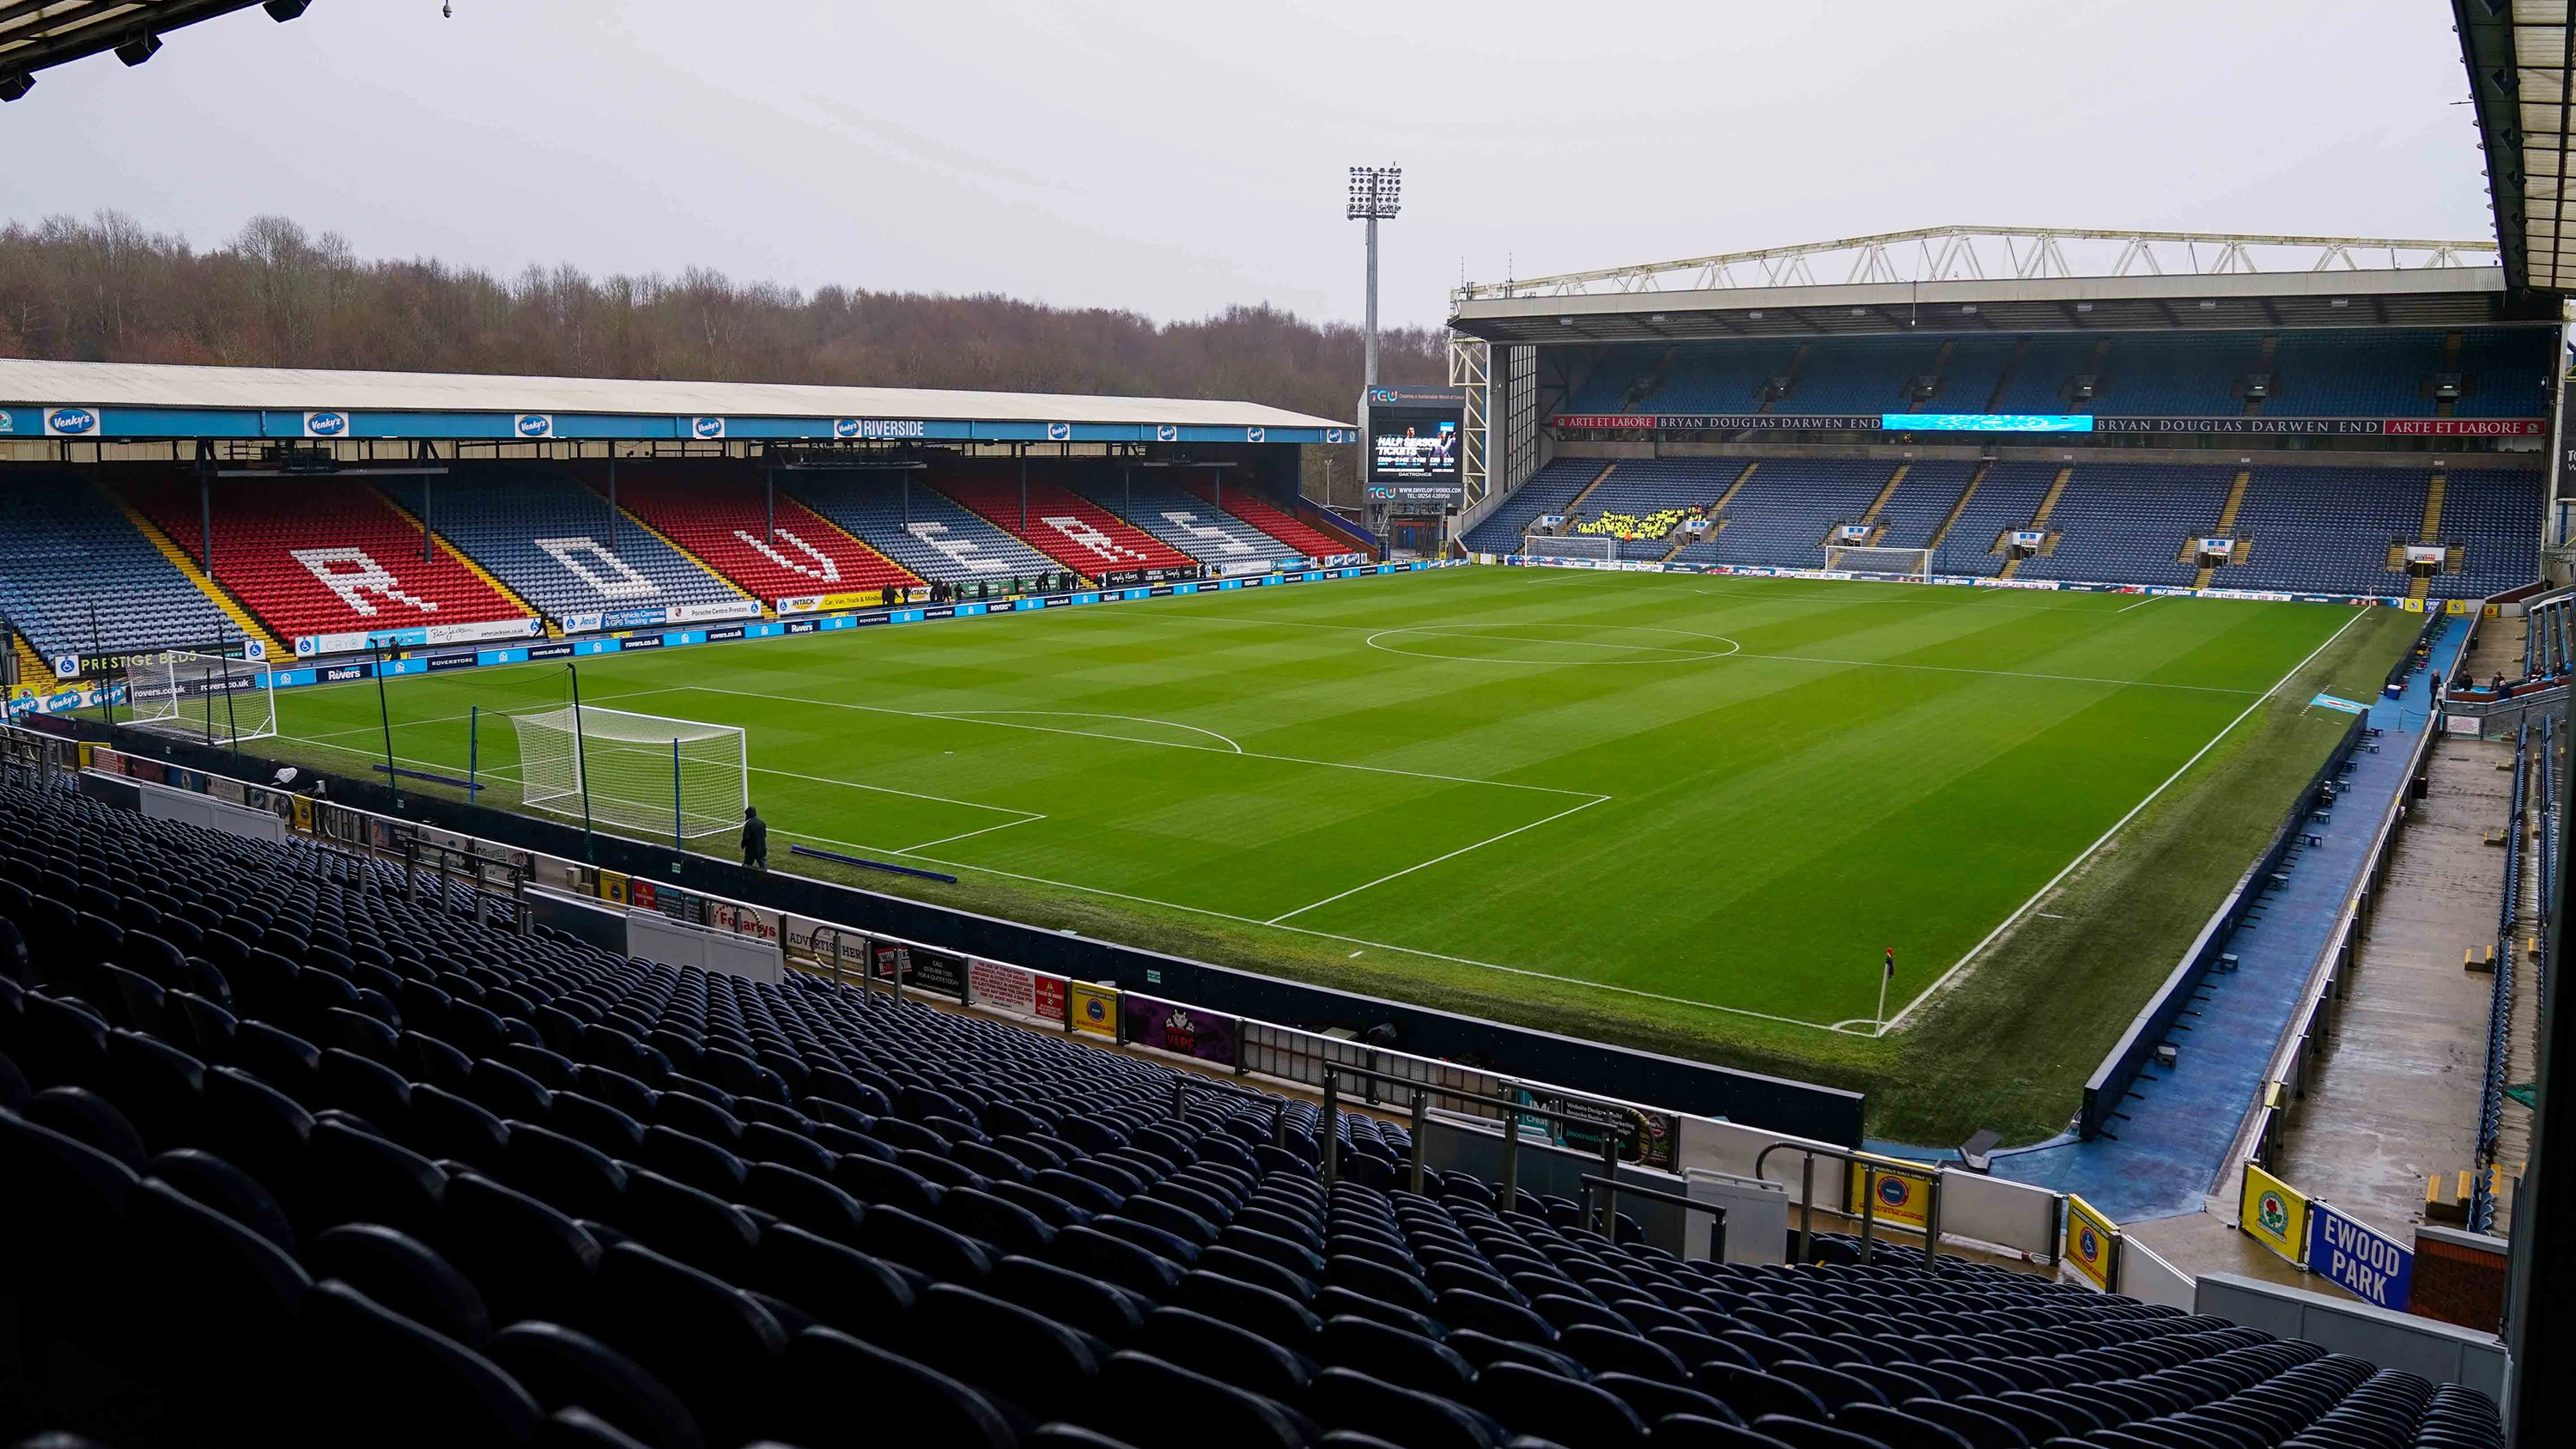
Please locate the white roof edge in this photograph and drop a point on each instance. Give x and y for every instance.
(168, 385)
(2445, 281)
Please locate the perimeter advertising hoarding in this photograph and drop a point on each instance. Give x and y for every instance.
(2090, 1242)
(2372, 1266)
(2274, 1214)
(1184, 1030)
(2046, 423)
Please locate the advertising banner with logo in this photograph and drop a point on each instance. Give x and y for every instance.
(2046, 423)
(1901, 1190)
(2274, 1214)
(1091, 1008)
(1184, 1030)
(2218, 547)
(2426, 553)
(2091, 1242)
(2372, 1266)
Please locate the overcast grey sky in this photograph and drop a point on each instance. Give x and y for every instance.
(1174, 158)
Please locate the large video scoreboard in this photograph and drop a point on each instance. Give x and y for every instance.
(1417, 447)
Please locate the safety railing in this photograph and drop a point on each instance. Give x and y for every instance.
(1871, 1169)
(1511, 1113)
(1717, 1213)
(2500, 999)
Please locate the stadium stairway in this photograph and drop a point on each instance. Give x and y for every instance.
(1958, 506)
(2433, 491)
(1089, 539)
(466, 562)
(675, 546)
(2226, 519)
(445, 1185)
(243, 619)
(2171, 1152)
(1289, 529)
(2039, 518)
(33, 671)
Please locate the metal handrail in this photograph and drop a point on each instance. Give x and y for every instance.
(1871, 1169)
(1610, 1189)
(1612, 1133)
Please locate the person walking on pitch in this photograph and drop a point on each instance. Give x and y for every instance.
(755, 839)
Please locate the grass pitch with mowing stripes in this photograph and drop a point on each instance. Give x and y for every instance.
(1686, 811)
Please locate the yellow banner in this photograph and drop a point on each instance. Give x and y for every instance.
(1093, 1008)
(2091, 1241)
(612, 887)
(1901, 1190)
(2274, 1214)
(303, 816)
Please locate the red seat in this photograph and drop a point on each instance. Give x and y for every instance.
(783, 551)
(1066, 527)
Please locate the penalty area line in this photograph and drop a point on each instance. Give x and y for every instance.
(1435, 860)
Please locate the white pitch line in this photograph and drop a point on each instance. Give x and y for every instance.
(1435, 860)
(2140, 604)
(2037, 896)
(890, 790)
(977, 714)
(1375, 629)
(963, 834)
(1096, 735)
(1364, 942)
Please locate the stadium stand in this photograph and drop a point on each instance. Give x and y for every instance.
(2126, 522)
(1147, 498)
(1781, 513)
(76, 578)
(1923, 498)
(2494, 514)
(2007, 496)
(921, 529)
(1061, 524)
(2371, 508)
(316, 559)
(1295, 532)
(718, 515)
(2360, 372)
(560, 546)
(1548, 490)
(1666, 488)
(444, 1184)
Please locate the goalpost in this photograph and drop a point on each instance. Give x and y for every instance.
(1910, 563)
(1570, 545)
(208, 698)
(646, 773)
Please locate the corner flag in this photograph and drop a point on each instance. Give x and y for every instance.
(1885, 977)
(1891, 960)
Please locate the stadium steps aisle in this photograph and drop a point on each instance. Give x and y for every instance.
(242, 618)
(2039, 519)
(32, 668)
(1894, 481)
(674, 545)
(1286, 527)
(466, 562)
(2433, 490)
(1574, 505)
(1950, 520)
(2172, 1151)
(2226, 519)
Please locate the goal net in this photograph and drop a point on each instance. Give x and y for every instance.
(1571, 545)
(204, 697)
(1912, 563)
(643, 773)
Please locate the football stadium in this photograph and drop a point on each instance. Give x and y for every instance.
(1948, 839)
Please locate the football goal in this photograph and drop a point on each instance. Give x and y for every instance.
(1909, 563)
(1571, 545)
(641, 773)
(204, 697)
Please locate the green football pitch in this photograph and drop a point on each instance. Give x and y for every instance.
(1653, 796)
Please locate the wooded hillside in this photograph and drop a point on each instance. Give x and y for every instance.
(276, 295)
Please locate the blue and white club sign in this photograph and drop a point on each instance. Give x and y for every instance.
(329, 423)
(1166, 433)
(70, 422)
(1058, 432)
(533, 425)
(708, 428)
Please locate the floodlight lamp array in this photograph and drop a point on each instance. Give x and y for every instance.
(1376, 193)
